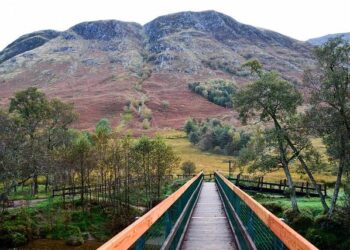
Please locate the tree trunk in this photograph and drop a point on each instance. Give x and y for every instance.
(342, 162)
(291, 186)
(35, 184)
(82, 182)
(283, 159)
(46, 183)
(309, 174)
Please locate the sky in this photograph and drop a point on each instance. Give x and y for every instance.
(300, 19)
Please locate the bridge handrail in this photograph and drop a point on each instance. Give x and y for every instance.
(128, 237)
(286, 234)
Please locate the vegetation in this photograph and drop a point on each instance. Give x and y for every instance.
(329, 114)
(217, 91)
(188, 167)
(37, 143)
(275, 101)
(213, 135)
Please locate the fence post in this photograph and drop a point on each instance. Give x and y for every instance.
(325, 189)
(237, 180)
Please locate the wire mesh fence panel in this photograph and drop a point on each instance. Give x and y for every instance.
(244, 220)
(169, 228)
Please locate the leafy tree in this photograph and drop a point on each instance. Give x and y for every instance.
(32, 107)
(217, 91)
(272, 99)
(276, 101)
(212, 134)
(329, 115)
(101, 136)
(81, 152)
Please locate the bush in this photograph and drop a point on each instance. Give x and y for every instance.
(146, 124)
(18, 239)
(301, 222)
(274, 208)
(12, 239)
(321, 238)
(74, 241)
(188, 167)
(165, 105)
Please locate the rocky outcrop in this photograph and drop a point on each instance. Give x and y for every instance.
(321, 40)
(27, 42)
(107, 30)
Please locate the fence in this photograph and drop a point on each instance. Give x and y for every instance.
(162, 227)
(255, 226)
(258, 184)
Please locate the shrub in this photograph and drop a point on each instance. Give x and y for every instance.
(274, 208)
(74, 241)
(18, 239)
(165, 105)
(146, 113)
(321, 238)
(146, 124)
(188, 167)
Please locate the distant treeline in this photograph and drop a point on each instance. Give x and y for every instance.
(213, 135)
(218, 91)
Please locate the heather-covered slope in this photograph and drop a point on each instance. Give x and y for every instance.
(107, 68)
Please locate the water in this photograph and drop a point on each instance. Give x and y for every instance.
(46, 244)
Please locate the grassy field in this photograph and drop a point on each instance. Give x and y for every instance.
(209, 162)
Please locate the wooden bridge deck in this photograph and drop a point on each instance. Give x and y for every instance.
(209, 227)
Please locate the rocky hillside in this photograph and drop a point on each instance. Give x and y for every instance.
(131, 73)
(321, 40)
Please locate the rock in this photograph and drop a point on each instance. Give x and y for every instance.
(74, 241)
(106, 30)
(26, 43)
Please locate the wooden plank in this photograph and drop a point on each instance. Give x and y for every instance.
(286, 234)
(126, 238)
(209, 227)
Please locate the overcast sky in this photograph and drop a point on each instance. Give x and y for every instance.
(300, 19)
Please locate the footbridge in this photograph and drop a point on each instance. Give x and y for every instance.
(208, 215)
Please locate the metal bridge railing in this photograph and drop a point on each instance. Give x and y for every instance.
(163, 227)
(254, 225)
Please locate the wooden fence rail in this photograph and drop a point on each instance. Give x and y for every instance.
(258, 184)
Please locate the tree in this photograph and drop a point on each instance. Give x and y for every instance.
(55, 132)
(188, 167)
(31, 106)
(329, 115)
(272, 99)
(102, 134)
(278, 101)
(164, 160)
(81, 151)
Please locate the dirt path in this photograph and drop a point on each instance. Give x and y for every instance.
(26, 203)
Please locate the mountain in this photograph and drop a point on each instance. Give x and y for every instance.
(107, 68)
(321, 40)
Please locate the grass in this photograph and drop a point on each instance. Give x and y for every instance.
(209, 162)
(24, 193)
